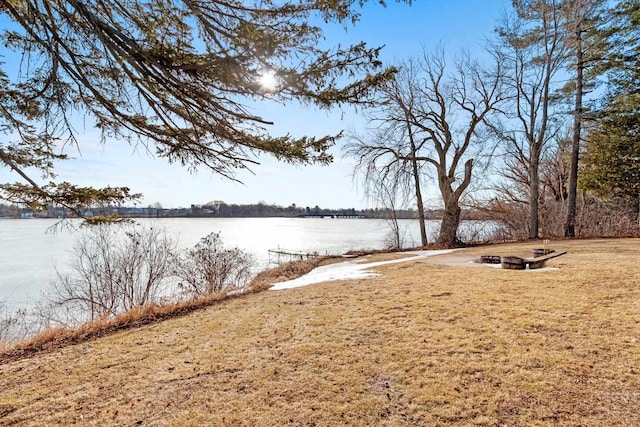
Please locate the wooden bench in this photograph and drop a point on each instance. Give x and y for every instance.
(517, 263)
(538, 262)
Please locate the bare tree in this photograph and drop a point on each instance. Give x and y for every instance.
(531, 44)
(388, 155)
(430, 118)
(511, 206)
(114, 271)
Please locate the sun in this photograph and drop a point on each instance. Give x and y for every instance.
(268, 81)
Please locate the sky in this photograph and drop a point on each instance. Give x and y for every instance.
(403, 30)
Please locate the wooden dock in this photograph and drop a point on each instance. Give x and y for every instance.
(281, 256)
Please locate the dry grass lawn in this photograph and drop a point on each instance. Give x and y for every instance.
(424, 344)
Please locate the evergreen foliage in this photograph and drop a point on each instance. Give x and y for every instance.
(611, 164)
(173, 75)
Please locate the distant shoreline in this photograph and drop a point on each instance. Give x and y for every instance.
(219, 209)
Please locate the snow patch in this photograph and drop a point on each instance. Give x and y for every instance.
(350, 270)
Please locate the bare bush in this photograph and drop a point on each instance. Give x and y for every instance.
(511, 219)
(13, 325)
(595, 218)
(209, 268)
(5, 323)
(611, 218)
(114, 270)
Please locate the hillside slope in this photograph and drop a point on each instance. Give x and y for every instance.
(423, 344)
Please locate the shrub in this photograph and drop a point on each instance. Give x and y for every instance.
(13, 326)
(209, 268)
(5, 323)
(114, 271)
(595, 218)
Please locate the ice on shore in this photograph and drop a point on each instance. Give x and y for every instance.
(350, 270)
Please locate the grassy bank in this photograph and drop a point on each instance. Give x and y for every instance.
(61, 336)
(424, 344)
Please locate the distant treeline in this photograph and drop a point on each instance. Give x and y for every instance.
(224, 210)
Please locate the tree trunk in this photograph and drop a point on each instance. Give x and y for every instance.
(416, 177)
(534, 194)
(450, 223)
(451, 215)
(570, 225)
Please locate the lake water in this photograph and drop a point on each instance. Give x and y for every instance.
(30, 252)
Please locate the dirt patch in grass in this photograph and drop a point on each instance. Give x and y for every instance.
(424, 344)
